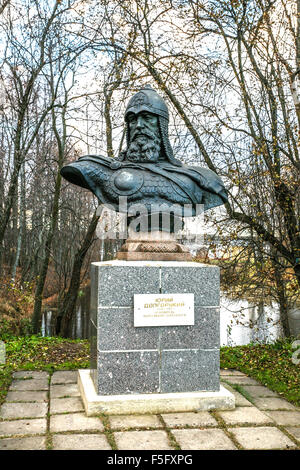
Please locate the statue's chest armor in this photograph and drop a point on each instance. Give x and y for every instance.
(145, 185)
(124, 182)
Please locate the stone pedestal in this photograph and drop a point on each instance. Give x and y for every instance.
(153, 246)
(162, 360)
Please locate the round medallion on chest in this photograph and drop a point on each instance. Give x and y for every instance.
(127, 181)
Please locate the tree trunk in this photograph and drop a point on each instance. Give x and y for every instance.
(36, 318)
(21, 224)
(283, 304)
(70, 299)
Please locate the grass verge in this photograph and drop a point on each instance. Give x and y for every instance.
(273, 365)
(41, 353)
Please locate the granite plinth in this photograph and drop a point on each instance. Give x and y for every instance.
(153, 360)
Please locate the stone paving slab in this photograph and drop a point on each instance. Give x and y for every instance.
(27, 396)
(203, 439)
(23, 410)
(30, 384)
(64, 377)
(23, 443)
(66, 405)
(285, 418)
(241, 380)
(59, 391)
(226, 372)
(26, 374)
(247, 424)
(294, 431)
(80, 442)
(23, 427)
(200, 419)
(142, 440)
(273, 403)
(75, 422)
(262, 438)
(134, 421)
(244, 415)
(259, 391)
(240, 400)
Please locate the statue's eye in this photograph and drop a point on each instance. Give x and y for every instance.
(149, 117)
(131, 118)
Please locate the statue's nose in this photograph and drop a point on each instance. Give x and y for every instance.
(139, 122)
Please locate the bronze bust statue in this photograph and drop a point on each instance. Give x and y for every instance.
(146, 172)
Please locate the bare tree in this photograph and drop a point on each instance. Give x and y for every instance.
(226, 69)
(25, 58)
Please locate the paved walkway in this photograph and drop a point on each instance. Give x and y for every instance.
(43, 414)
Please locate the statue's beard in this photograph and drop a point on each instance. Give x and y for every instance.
(144, 147)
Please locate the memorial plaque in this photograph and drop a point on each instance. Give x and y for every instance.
(163, 309)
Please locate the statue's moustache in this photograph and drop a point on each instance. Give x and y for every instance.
(143, 133)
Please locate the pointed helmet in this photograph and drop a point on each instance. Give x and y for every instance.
(148, 100)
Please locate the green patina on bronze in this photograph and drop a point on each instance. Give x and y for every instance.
(146, 172)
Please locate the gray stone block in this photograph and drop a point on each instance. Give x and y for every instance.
(116, 331)
(128, 372)
(189, 371)
(126, 359)
(205, 334)
(202, 281)
(94, 293)
(93, 346)
(118, 284)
